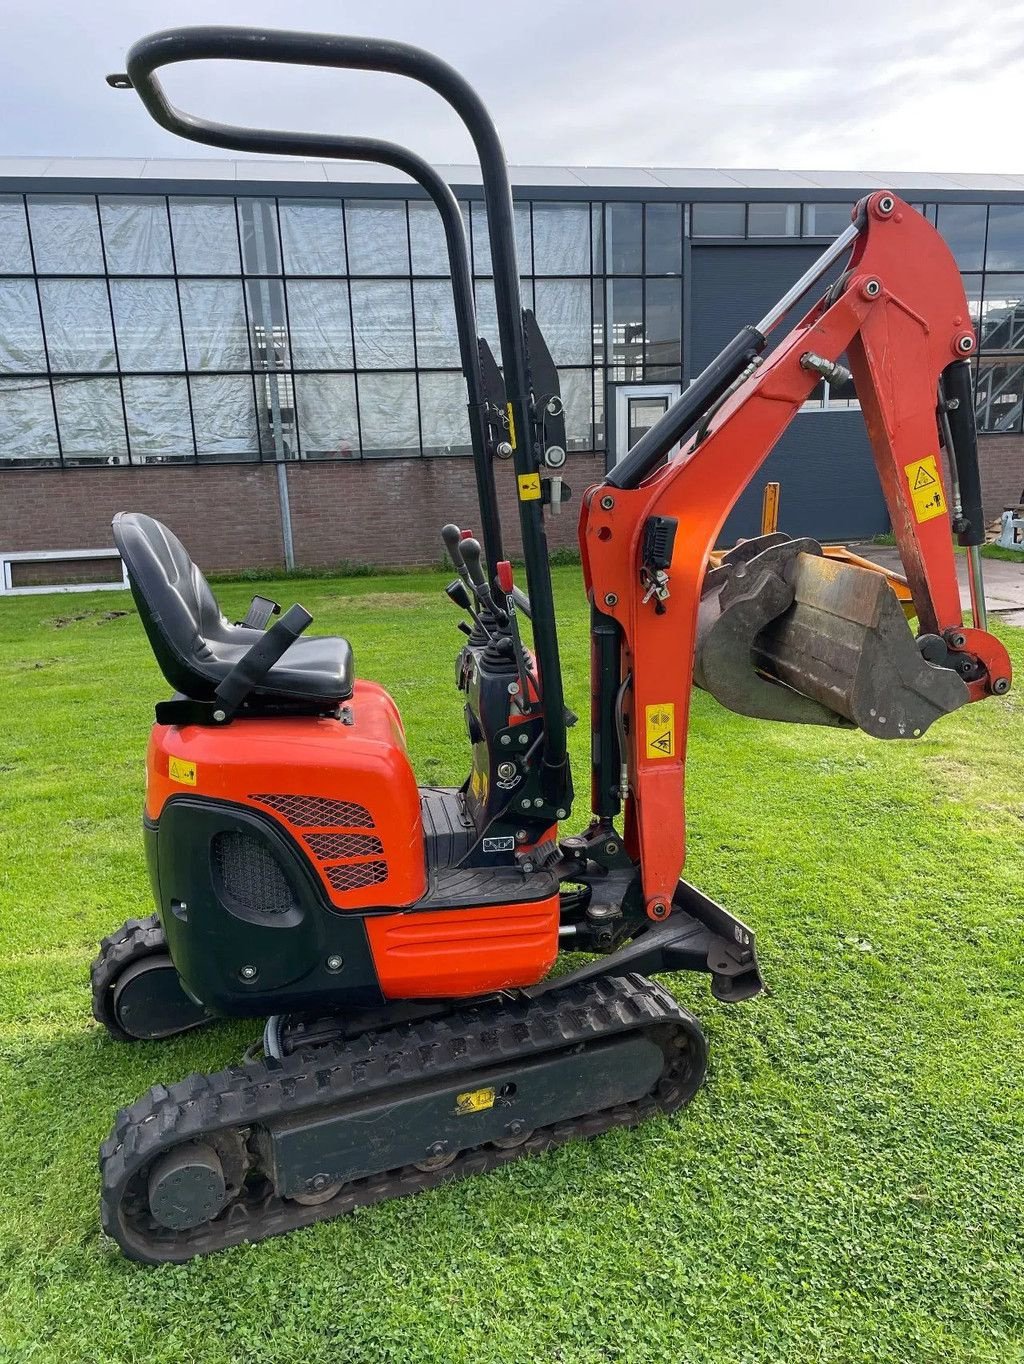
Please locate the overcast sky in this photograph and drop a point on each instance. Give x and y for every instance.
(870, 85)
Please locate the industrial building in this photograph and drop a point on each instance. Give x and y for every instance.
(263, 354)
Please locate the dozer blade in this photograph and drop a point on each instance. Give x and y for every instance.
(787, 634)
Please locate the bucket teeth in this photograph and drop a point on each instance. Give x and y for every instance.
(787, 634)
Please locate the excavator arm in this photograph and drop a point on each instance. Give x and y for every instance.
(777, 630)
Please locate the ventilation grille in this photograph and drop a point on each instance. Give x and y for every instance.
(357, 874)
(328, 847)
(307, 812)
(250, 873)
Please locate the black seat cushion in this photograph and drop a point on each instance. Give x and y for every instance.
(195, 646)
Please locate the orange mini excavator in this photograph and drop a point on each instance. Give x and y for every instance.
(397, 939)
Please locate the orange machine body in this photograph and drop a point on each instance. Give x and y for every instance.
(461, 952)
(346, 795)
(345, 792)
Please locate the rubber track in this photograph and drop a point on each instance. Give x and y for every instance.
(499, 1031)
(133, 941)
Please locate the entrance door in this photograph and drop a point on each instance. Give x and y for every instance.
(637, 408)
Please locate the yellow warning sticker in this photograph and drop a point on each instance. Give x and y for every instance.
(661, 730)
(529, 487)
(511, 426)
(474, 1101)
(180, 769)
(925, 485)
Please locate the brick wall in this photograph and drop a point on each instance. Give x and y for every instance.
(372, 511)
(228, 513)
(1002, 472)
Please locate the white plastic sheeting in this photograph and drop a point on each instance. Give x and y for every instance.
(15, 254)
(326, 408)
(21, 336)
(426, 236)
(65, 234)
(487, 312)
(382, 322)
(205, 236)
(91, 421)
(482, 246)
(146, 324)
(213, 316)
(577, 387)
(224, 411)
(313, 236)
(136, 235)
(437, 341)
(76, 315)
(159, 424)
(387, 410)
(443, 415)
(561, 239)
(27, 431)
(563, 311)
(320, 325)
(378, 237)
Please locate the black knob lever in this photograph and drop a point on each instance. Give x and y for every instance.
(452, 537)
(473, 556)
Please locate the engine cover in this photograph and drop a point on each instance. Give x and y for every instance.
(343, 790)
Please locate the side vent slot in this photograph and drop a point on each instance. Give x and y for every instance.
(356, 875)
(315, 812)
(332, 847)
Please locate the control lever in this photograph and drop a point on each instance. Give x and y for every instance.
(472, 556)
(456, 592)
(452, 537)
(508, 587)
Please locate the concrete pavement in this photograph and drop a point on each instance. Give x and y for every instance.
(1004, 582)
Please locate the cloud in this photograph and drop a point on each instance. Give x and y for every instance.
(908, 84)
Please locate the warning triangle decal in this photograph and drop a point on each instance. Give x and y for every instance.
(923, 479)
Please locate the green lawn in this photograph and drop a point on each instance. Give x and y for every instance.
(848, 1186)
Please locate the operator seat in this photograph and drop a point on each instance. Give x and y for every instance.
(197, 647)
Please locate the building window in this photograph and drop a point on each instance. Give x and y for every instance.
(561, 239)
(1005, 249)
(663, 240)
(15, 252)
(157, 329)
(1000, 396)
(624, 239)
(826, 220)
(963, 227)
(773, 220)
(718, 220)
(1002, 313)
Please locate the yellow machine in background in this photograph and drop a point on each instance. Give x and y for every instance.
(770, 524)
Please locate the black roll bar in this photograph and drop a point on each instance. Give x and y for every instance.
(227, 43)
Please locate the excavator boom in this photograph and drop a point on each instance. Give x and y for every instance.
(776, 629)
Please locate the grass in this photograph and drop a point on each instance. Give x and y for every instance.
(849, 1185)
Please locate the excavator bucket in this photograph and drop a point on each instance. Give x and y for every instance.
(785, 633)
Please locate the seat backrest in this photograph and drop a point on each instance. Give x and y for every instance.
(179, 611)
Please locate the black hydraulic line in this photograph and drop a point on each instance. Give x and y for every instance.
(606, 643)
(218, 42)
(689, 407)
(957, 387)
